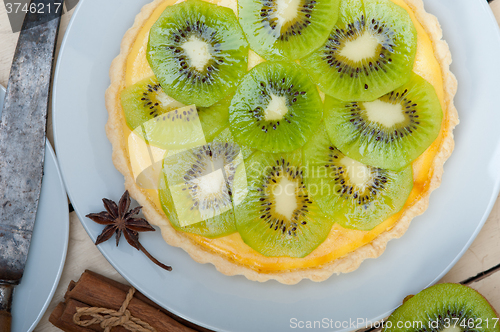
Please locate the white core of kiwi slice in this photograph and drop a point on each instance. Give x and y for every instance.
(452, 329)
(363, 47)
(384, 113)
(276, 109)
(210, 185)
(286, 12)
(200, 181)
(198, 53)
(359, 174)
(284, 193)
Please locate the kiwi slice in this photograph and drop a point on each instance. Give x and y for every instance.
(353, 194)
(389, 132)
(444, 307)
(225, 136)
(196, 189)
(276, 108)
(198, 52)
(278, 217)
(369, 52)
(287, 29)
(146, 100)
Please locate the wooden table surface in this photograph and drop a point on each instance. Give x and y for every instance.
(478, 265)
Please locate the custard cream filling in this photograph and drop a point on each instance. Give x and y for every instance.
(340, 241)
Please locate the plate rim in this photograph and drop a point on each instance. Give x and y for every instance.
(492, 200)
(66, 241)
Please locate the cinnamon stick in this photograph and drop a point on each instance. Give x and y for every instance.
(71, 285)
(96, 292)
(70, 311)
(144, 299)
(56, 314)
(65, 324)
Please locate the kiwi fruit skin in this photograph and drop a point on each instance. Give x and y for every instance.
(290, 40)
(368, 78)
(265, 81)
(351, 205)
(393, 147)
(436, 306)
(228, 47)
(258, 219)
(144, 101)
(181, 169)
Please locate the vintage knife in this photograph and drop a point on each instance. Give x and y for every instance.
(22, 143)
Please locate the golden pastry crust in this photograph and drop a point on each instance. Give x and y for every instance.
(347, 263)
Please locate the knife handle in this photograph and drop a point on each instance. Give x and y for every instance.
(5, 320)
(5, 306)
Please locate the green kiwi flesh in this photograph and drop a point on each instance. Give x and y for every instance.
(196, 189)
(389, 132)
(276, 108)
(225, 136)
(444, 307)
(370, 51)
(355, 195)
(278, 217)
(287, 29)
(146, 100)
(198, 52)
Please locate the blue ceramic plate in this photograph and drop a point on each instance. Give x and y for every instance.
(201, 294)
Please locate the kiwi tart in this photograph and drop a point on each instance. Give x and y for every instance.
(360, 89)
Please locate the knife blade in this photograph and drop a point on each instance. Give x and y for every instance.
(22, 143)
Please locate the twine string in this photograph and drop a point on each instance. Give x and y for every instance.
(109, 318)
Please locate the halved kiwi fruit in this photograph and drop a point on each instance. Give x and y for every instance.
(278, 217)
(353, 194)
(198, 52)
(287, 29)
(444, 307)
(369, 52)
(196, 189)
(276, 108)
(146, 100)
(389, 132)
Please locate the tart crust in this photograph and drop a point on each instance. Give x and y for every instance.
(200, 254)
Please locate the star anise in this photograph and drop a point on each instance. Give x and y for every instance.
(118, 219)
